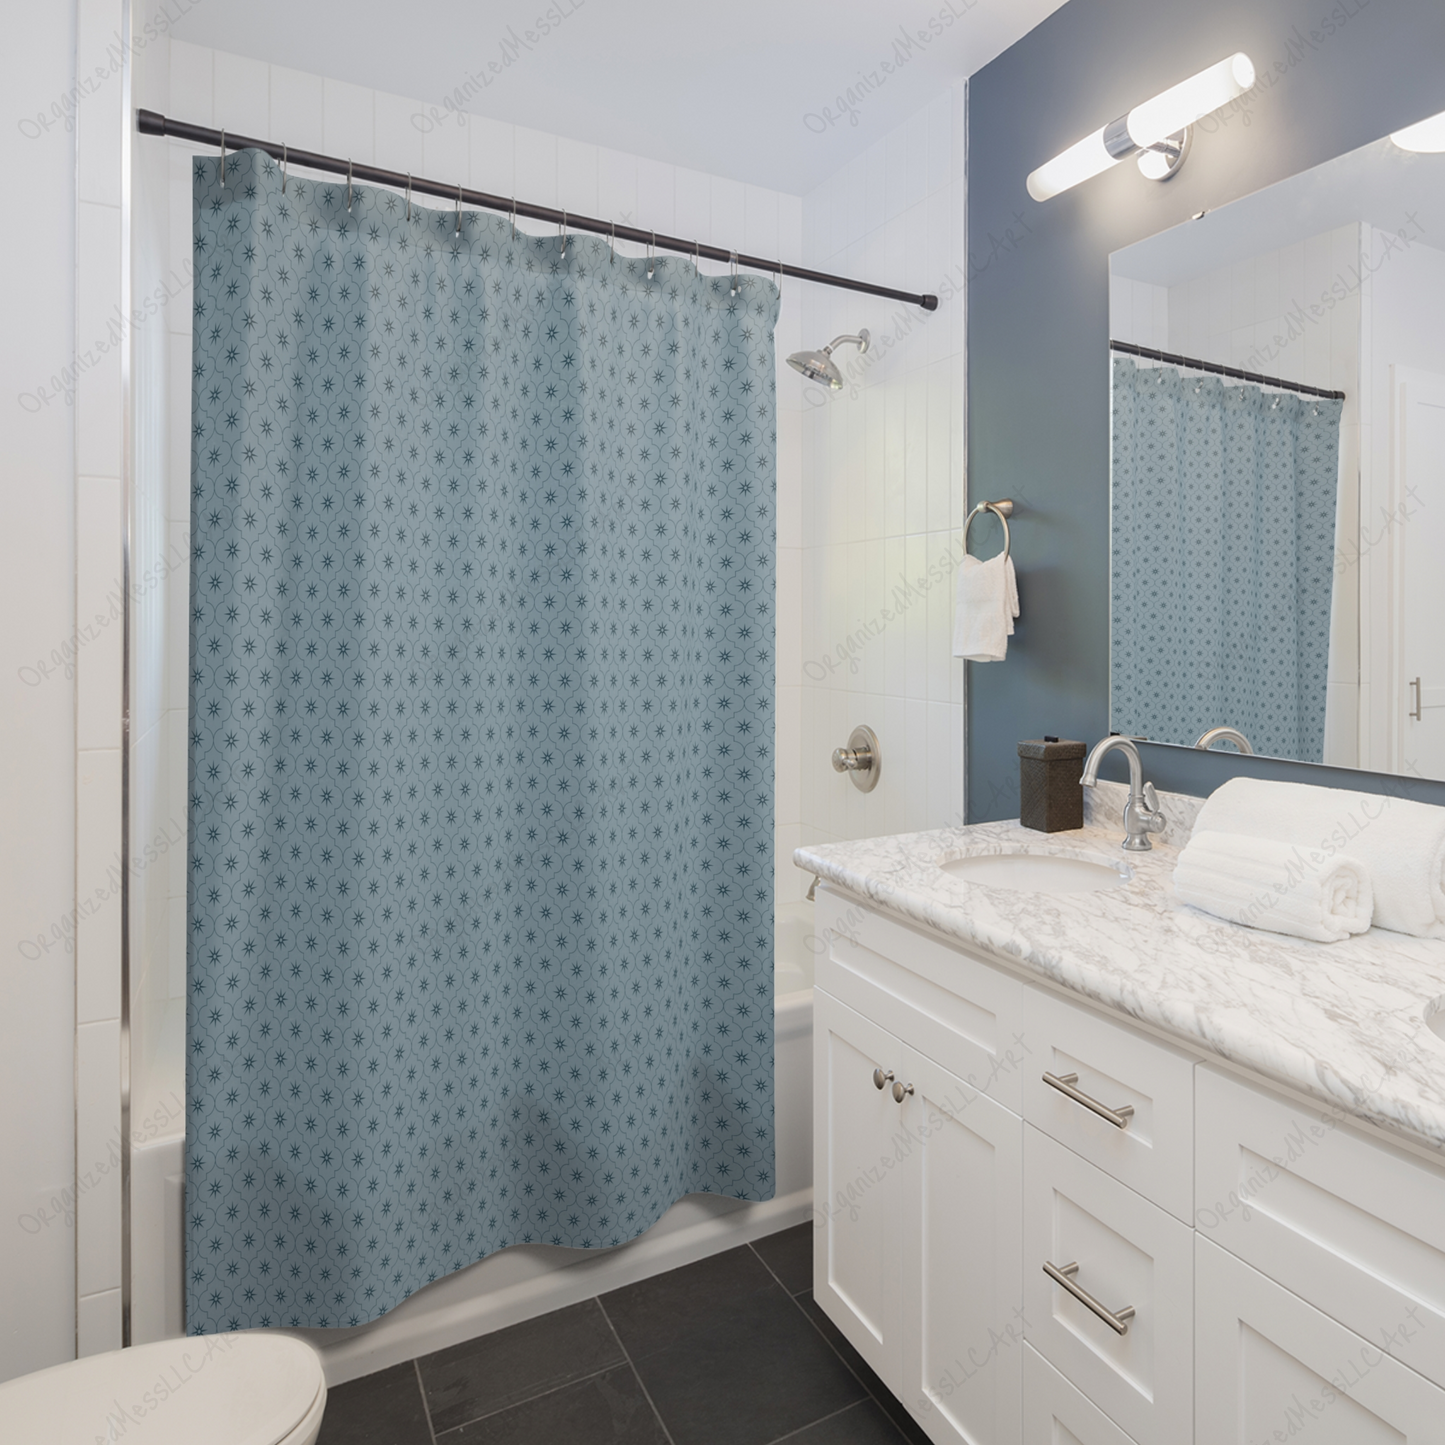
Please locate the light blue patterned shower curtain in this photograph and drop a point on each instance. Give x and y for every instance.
(1223, 517)
(481, 773)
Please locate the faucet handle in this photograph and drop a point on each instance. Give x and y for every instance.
(1154, 821)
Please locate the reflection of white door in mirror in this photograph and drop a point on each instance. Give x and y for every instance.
(1419, 467)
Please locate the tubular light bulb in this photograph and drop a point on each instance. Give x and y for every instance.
(1181, 105)
(1426, 135)
(1083, 159)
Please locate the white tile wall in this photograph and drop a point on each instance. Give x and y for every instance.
(37, 600)
(883, 494)
(103, 336)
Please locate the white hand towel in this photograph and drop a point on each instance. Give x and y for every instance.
(1276, 886)
(1400, 843)
(988, 602)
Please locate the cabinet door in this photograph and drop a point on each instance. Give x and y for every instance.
(858, 1151)
(1271, 1367)
(962, 1189)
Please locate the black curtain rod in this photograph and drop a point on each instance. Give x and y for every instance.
(1196, 365)
(150, 122)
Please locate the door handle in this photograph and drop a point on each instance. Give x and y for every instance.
(1064, 1083)
(1063, 1274)
(1418, 711)
(880, 1078)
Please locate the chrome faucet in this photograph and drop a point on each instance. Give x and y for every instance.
(1207, 740)
(1142, 814)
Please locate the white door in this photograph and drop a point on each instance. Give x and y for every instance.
(963, 1325)
(1271, 1367)
(1419, 514)
(858, 1147)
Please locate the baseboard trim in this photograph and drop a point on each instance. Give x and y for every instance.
(417, 1327)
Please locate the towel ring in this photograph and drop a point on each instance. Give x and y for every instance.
(1002, 510)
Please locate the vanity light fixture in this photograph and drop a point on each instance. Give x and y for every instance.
(1426, 136)
(1158, 131)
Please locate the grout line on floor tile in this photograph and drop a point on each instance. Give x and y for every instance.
(530, 1399)
(867, 1389)
(425, 1403)
(636, 1374)
(841, 1410)
(770, 1270)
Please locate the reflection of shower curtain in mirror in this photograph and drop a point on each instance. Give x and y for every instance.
(480, 945)
(1223, 519)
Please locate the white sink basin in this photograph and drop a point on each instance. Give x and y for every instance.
(1038, 872)
(1435, 1017)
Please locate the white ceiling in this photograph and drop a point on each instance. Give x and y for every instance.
(737, 90)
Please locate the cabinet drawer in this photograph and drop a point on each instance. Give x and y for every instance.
(1346, 1222)
(1119, 1069)
(1056, 1413)
(1129, 1252)
(1272, 1367)
(960, 1011)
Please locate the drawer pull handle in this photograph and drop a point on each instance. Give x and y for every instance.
(1063, 1274)
(901, 1092)
(880, 1078)
(1064, 1083)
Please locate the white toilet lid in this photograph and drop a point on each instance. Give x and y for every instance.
(235, 1389)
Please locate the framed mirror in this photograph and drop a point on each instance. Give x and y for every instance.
(1277, 491)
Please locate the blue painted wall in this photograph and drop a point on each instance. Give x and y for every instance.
(1334, 74)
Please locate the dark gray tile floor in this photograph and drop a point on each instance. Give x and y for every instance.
(729, 1351)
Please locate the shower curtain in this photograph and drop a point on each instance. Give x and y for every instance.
(481, 729)
(1223, 519)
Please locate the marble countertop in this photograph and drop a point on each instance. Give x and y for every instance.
(1342, 1022)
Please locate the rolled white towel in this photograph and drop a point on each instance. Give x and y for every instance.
(1280, 887)
(1400, 843)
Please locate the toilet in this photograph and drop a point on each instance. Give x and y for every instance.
(248, 1388)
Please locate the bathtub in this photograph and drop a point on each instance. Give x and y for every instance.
(528, 1279)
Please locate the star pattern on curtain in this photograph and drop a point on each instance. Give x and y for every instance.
(1223, 521)
(481, 728)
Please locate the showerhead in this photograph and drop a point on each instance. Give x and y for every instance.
(820, 366)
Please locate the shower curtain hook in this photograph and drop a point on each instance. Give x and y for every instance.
(563, 234)
(284, 158)
(408, 195)
(613, 261)
(696, 268)
(348, 185)
(780, 278)
(514, 218)
(458, 236)
(651, 257)
(223, 157)
(734, 256)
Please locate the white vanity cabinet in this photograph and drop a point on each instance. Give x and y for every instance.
(1280, 1274)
